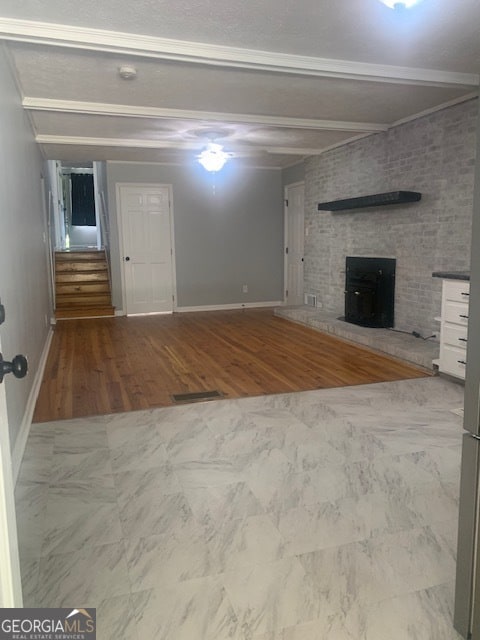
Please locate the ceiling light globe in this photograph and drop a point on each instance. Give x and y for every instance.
(399, 4)
(213, 157)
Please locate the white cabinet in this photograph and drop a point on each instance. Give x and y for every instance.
(453, 330)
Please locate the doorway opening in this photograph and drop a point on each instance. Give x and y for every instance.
(80, 220)
(78, 205)
(79, 239)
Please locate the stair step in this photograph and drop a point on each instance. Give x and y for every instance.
(82, 288)
(85, 312)
(83, 300)
(83, 276)
(82, 285)
(75, 256)
(78, 265)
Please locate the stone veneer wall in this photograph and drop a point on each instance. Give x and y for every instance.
(434, 155)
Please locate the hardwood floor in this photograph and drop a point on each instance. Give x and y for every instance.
(109, 365)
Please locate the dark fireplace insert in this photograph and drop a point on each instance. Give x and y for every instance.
(370, 291)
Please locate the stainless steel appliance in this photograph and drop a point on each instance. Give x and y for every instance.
(467, 589)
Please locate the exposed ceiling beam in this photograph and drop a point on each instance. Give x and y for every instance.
(128, 111)
(113, 142)
(117, 42)
(160, 144)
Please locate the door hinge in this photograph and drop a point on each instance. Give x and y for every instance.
(286, 250)
(286, 293)
(286, 202)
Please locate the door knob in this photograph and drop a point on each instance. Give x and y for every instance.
(127, 258)
(18, 366)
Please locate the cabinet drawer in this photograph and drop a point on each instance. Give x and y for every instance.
(456, 312)
(452, 361)
(456, 290)
(454, 335)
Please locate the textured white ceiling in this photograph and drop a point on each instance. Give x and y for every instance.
(183, 132)
(438, 34)
(82, 110)
(88, 76)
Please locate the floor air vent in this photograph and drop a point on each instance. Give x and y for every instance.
(199, 395)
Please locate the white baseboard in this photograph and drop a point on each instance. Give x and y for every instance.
(235, 305)
(21, 441)
(214, 307)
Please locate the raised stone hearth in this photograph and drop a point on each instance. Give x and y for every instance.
(400, 345)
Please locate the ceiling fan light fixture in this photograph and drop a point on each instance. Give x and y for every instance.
(213, 158)
(399, 5)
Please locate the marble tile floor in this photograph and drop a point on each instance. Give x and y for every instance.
(321, 515)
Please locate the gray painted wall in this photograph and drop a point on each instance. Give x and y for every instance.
(295, 173)
(23, 269)
(102, 185)
(433, 155)
(228, 231)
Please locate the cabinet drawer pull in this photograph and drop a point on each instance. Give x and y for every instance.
(464, 293)
(462, 316)
(463, 339)
(461, 362)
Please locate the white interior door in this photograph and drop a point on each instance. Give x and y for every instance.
(294, 242)
(10, 582)
(146, 225)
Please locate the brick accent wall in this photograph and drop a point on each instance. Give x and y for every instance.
(435, 155)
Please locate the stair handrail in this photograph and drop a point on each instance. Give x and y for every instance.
(105, 232)
(51, 245)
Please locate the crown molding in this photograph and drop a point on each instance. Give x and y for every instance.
(439, 107)
(130, 44)
(128, 111)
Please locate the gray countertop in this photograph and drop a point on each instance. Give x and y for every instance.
(452, 275)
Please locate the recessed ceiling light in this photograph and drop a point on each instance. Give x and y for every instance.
(127, 73)
(400, 4)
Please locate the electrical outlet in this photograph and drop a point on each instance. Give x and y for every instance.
(245, 288)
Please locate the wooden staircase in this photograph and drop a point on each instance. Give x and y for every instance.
(82, 288)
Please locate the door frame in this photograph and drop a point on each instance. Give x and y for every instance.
(10, 580)
(285, 234)
(54, 180)
(147, 185)
(98, 204)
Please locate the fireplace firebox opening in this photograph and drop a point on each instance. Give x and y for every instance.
(370, 291)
